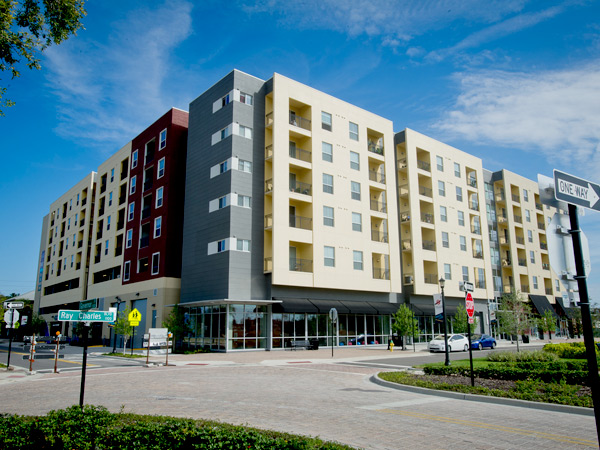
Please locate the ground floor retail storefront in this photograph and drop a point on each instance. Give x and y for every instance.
(273, 326)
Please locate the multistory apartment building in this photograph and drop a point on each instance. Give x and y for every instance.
(443, 227)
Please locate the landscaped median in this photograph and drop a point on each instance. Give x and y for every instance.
(94, 427)
(540, 376)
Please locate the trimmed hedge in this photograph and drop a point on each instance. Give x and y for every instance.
(93, 427)
(533, 355)
(570, 350)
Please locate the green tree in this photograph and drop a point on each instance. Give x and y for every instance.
(404, 323)
(176, 323)
(547, 323)
(461, 320)
(122, 326)
(38, 324)
(28, 27)
(514, 315)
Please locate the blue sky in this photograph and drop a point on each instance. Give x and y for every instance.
(515, 82)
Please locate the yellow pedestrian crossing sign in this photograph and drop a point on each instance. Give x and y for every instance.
(134, 317)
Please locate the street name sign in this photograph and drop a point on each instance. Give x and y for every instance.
(14, 305)
(66, 315)
(467, 286)
(84, 305)
(470, 307)
(576, 191)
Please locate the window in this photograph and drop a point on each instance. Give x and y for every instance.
(528, 215)
(112, 176)
(69, 223)
(243, 245)
(465, 273)
(225, 100)
(530, 235)
(162, 139)
(480, 278)
(457, 170)
(108, 223)
(129, 240)
(225, 132)
(447, 272)
(356, 221)
(244, 166)
(155, 263)
(459, 196)
(461, 218)
(134, 159)
(142, 265)
(357, 258)
(525, 195)
(443, 214)
(126, 270)
(72, 260)
(67, 244)
(161, 168)
(354, 161)
(109, 200)
(222, 202)
(245, 132)
(329, 254)
(442, 188)
(535, 282)
(327, 151)
(355, 190)
(244, 201)
(353, 128)
(557, 285)
(77, 199)
(328, 183)
(106, 247)
(221, 246)
(245, 98)
(157, 226)
(532, 256)
(440, 163)
(328, 216)
(326, 121)
(463, 243)
(159, 197)
(445, 240)
(132, 185)
(131, 212)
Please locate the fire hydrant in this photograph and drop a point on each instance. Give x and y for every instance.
(391, 346)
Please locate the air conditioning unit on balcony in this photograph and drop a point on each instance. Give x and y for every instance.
(408, 279)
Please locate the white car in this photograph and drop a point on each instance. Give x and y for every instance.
(456, 343)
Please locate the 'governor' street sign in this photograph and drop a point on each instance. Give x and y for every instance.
(576, 191)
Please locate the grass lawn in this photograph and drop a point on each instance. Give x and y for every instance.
(124, 355)
(477, 362)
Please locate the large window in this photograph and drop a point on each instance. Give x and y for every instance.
(132, 185)
(131, 212)
(134, 159)
(161, 168)
(329, 254)
(243, 245)
(327, 152)
(355, 190)
(357, 258)
(353, 129)
(157, 227)
(328, 183)
(162, 139)
(159, 197)
(129, 241)
(356, 221)
(326, 121)
(155, 263)
(354, 161)
(328, 219)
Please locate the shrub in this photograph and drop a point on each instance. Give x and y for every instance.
(535, 355)
(570, 350)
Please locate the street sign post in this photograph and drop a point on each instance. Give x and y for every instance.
(576, 191)
(333, 315)
(470, 307)
(66, 315)
(134, 318)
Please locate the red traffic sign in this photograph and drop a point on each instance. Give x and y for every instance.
(470, 305)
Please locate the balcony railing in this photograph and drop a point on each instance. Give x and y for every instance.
(144, 242)
(269, 119)
(474, 206)
(122, 199)
(522, 262)
(539, 207)
(78, 266)
(378, 177)
(375, 148)
(520, 240)
(405, 217)
(381, 274)
(100, 212)
(502, 219)
(480, 284)
(503, 240)
(269, 151)
(146, 212)
(300, 222)
(379, 236)
(500, 198)
(543, 246)
(477, 254)
(545, 266)
(269, 185)
(430, 278)
(301, 265)
(472, 182)
(269, 221)
(83, 201)
(118, 251)
(301, 188)
(429, 245)
(120, 224)
(516, 198)
(406, 244)
(427, 192)
(103, 188)
(97, 259)
(403, 190)
(99, 235)
(301, 154)
(378, 206)
(541, 226)
(427, 218)
(476, 230)
(548, 291)
(525, 288)
(518, 219)
(148, 185)
(423, 165)
(298, 121)
(268, 265)
(81, 222)
(506, 263)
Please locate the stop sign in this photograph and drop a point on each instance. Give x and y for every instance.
(470, 306)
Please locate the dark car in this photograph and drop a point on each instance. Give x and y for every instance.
(481, 341)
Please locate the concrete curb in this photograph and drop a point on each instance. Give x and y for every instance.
(486, 399)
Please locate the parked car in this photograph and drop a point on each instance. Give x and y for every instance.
(361, 340)
(456, 343)
(481, 341)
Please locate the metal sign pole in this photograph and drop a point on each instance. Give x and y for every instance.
(56, 353)
(132, 340)
(470, 353)
(10, 336)
(83, 365)
(586, 318)
(148, 354)
(31, 353)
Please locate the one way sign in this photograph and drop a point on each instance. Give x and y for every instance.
(576, 191)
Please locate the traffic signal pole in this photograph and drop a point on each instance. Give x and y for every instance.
(586, 318)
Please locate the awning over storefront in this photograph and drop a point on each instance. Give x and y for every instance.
(325, 305)
(385, 308)
(321, 306)
(542, 304)
(561, 305)
(297, 305)
(360, 308)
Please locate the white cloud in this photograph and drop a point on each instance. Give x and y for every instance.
(553, 113)
(108, 91)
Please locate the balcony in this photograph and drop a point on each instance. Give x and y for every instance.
(144, 242)
(522, 262)
(377, 149)
(268, 265)
(269, 185)
(423, 165)
(120, 224)
(80, 243)
(148, 184)
(541, 226)
(101, 212)
(504, 240)
(472, 182)
(429, 245)
(499, 197)
(543, 246)
(269, 151)
(83, 201)
(539, 207)
(525, 288)
(427, 192)
(402, 163)
(474, 206)
(430, 278)
(119, 251)
(548, 291)
(99, 234)
(301, 154)
(103, 186)
(381, 274)
(406, 245)
(269, 221)
(298, 121)
(78, 266)
(506, 263)
(378, 206)
(405, 217)
(516, 198)
(427, 218)
(545, 266)
(269, 119)
(520, 240)
(379, 236)
(146, 212)
(300, 222)
(97, 259)
(502, 219)
(477, 254)
(476, 230)
(301, 265)
(301, 188)
(376, 176)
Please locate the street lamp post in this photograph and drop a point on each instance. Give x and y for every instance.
(447, 361)
(119, 301)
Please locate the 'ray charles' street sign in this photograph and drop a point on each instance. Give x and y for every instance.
(87, 316)
(576, 191)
